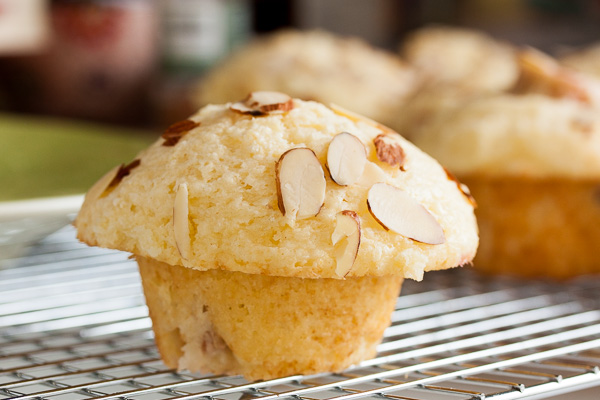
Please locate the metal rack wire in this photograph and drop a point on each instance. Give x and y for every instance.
(73, 325)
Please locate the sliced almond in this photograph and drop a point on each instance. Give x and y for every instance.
(346, 158)
(346, 239)
(389, 150)
(464, 189)
(100, 187)
(372, 174)
(263, 102)
(542, 74)
(394, 209)
(267, 101)
(241, 108)
(176, 131)
(122, 172)
(181, 225)
(300, 183)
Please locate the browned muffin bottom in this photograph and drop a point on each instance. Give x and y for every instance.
(263, 326)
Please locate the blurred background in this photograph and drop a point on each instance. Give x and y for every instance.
(86, 84)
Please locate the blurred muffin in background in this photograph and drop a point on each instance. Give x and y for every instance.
(315, 65)
(457, 65)
(531, 158)
(461, 57)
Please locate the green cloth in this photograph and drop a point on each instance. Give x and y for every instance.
(42, 157)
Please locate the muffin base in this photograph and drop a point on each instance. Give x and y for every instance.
(537, 228)
(261, 326)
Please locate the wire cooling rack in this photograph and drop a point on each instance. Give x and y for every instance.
(73, 325)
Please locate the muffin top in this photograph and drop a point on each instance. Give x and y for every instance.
(511, 135)
(314, 65)
(461, 57)
(279, 186)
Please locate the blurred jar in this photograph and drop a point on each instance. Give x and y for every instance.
(97, 65)
(23, 26)
(198, 33)
(195, 35)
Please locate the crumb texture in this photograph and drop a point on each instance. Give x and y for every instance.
(228, 165)
(261, 326)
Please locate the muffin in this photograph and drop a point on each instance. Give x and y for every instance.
(531, 158)
(273, 234)
(461, 57)
(315, 65)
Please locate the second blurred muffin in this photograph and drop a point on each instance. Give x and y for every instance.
(531, 158)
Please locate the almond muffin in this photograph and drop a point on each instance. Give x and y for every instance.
(273, 234)
(531, 158)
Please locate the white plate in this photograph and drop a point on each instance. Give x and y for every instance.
(23, 223)
(47, 206)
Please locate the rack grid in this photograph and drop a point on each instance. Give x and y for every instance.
(73, 325)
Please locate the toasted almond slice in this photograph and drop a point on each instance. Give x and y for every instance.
(346, 239)
(267, 101)
(122, 172)
(181, 225)
(389, 150)
(100, 187)
(464, 189)
(542, 74)
(300, 183)
(242, 108)
(263, 102)
(372, 174)
(176, 131)
(394, 209)
(346, 158)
